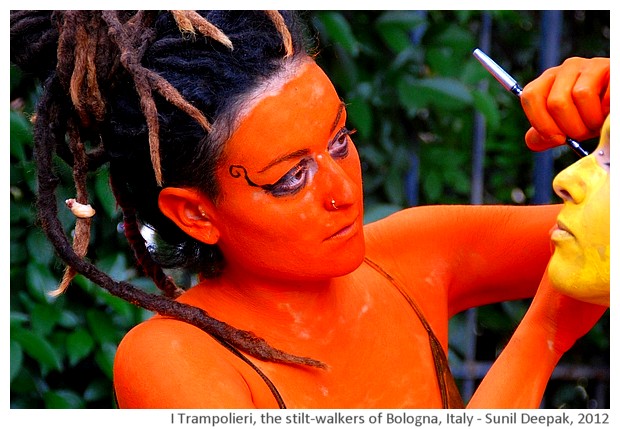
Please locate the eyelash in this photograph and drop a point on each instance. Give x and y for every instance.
(346, 133)
(288, 185)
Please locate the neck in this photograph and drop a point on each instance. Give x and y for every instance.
(282, 308)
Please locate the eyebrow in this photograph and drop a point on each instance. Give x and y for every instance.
(341, 109)
(292, 155)
(304, 152)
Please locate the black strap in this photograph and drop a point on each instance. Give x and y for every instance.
(268, 382)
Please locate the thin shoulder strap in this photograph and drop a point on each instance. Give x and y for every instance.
(450, 395)
(268, 382)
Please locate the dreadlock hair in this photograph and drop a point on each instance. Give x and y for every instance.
(144, 89)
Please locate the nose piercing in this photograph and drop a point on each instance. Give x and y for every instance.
(334, 204)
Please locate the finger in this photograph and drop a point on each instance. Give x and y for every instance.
(536, 142)
(534, 103)
(605, 102)
(591, 92)
(562, 107)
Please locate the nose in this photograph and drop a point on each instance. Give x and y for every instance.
(569, 184)
(341, 187)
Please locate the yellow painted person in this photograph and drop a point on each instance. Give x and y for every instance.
(579, 266)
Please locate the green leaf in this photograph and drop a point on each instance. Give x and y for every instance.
(40, 281)
(409, 95)
(68, 319)
(44, 318)
(443, 93)
(433, 187)
(395, 28)
(124, 312)
(338, 31)
(37, 348)
(406, 20)
(394, 186)
(104, 194)
(39, 247)
(18, 254)
(458, 180)
(17, 357)
(21, 135)
(97, 390)
(487, 106)
(18, 318)
(21, 210)
(66, 399)
(79, 345)
(360, 116)
(116, 266)
(101, 327)
(105, 358)
(393, 36)
(459, 39)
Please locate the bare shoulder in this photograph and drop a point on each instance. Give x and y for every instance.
(166, 363)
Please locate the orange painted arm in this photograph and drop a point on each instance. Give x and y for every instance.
(466, 256)
(551, 326)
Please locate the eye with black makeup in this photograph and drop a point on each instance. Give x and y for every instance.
(298, 176)
(295, 179)
(338, 147)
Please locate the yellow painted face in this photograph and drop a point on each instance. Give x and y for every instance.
(579, 266)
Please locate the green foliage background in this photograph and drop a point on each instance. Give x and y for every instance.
(412, 88)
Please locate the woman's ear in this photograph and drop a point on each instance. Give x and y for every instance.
(191, 211)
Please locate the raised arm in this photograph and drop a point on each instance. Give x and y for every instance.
(466, 255)
(551, 326)
(568, 100)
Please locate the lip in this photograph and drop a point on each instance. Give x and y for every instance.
(344, 232)
(560, 231)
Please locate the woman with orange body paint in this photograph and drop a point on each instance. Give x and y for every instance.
(261, 190)
(309, 285)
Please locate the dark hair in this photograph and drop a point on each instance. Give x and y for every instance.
(144, 90)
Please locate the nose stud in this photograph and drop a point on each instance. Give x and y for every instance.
(334, 204)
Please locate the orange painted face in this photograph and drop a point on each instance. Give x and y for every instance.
(290, 203)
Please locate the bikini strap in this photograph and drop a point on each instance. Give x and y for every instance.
(450, 395)
(268, 382)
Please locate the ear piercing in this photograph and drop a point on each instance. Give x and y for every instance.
(600, 152)
(202, 212)
(334, 204)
